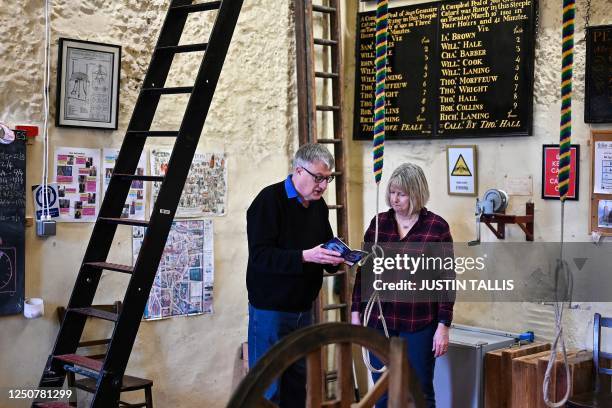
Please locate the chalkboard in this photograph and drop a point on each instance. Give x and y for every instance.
(455, 69)
(12, 226)
(598, 75)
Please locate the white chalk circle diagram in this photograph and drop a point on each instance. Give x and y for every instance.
(7, 270)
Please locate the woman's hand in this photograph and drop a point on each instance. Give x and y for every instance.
(440, 341)
(355, 318)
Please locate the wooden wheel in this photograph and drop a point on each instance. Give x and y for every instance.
(308, 343)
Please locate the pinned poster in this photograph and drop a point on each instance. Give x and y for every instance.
(461, 169)
(76, 174)
(602, 167)
(205, 190)
(52, 200)
(134, 206)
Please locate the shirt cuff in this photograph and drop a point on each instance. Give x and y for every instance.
(445, 322)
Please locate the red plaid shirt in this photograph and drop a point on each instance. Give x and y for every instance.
(406, 316)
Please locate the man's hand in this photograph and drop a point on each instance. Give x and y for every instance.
(355, 318)
(321, 255)
(440, 341)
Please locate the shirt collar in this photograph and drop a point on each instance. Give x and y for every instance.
(290, 189)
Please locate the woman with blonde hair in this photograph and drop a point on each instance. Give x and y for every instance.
(424, 325)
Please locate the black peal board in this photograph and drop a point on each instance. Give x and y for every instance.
(456, 69)
(12, 226)
(598, 75)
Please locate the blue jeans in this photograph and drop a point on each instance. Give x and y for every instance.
(266, 328)
(421, 359)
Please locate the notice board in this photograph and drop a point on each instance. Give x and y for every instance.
(455, 69)
(12, 226)
(598, 75)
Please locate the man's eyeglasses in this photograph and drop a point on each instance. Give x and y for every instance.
(319, 179)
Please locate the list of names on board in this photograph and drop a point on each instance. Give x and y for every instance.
(455, 69)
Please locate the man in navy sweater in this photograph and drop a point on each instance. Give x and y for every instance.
(286, 225)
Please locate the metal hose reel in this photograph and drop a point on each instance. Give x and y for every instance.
(493, 201)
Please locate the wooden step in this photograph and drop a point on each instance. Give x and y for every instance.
(335, 207)
(153, 133)
(110, 266)
(136, 177)
(329, 141)
(52, 404)
(124, 221)
(169, 91)
(81, 361)
(94, 312)
(194, 8)
(177, 49)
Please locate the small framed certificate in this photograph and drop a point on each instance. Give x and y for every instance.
(461, 163)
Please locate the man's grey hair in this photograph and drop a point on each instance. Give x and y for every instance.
(312, 152)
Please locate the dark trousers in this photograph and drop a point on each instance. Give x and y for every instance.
(421, 359)
(266, 328)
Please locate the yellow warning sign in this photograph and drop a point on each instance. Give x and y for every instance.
(461, 168)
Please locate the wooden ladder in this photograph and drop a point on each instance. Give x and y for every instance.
(312, 77)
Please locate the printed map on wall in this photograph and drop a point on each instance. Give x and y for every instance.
(134, 206)
(184, 281)
(205, 191)
(76, 173)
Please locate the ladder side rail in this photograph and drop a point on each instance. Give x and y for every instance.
(301, 71)
(340, 148)
(154, 240)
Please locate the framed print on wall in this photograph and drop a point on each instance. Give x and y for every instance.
(87, 84)
(461, 164)
(550, 172)
(601, 182)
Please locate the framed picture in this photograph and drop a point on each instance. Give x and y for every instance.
(461, 164)
(601, 182)
(87, 84)
(550, 172)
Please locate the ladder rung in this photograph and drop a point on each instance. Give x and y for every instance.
(328, 275)
(176, 49)
(320, 74)
(169, 91)
(329, 141)
(81, 361)
(193, 8)
(102, 342)
(323, 41)
(111, 266)
(52, 404)
(336, 173)
(323, 9)
(124, 221)
(331, 375)
(328, 108)
(335, 207)
(135, 177)
(153, 133)
(335, 307)
(93, 312)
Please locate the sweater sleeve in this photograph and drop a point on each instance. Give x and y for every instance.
(356, 298)
(262, 234)
(329, 234)
(445, 309)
